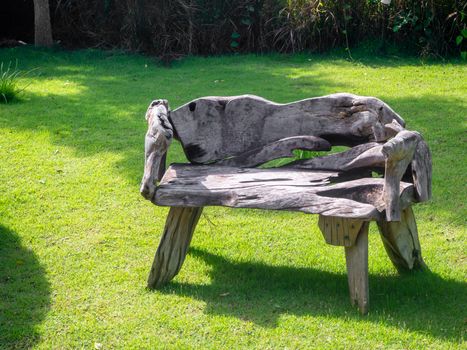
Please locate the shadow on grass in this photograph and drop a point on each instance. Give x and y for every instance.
(421, 302)
(24, 293)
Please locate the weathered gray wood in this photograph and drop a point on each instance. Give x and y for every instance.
(280, 189)
(368, 190)
(279, 149)
(162, 167)
(215, 128)
(179, 227)
(356, 258)
(392, 129)
(158, 139)
(232, 134)
(367, 155)
(421, 171)
(370, 156)
(339, 231)
(399, 153)
(401, 241)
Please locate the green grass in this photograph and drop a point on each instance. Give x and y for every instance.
(77, 239)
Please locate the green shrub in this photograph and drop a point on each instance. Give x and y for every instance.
(174, 28)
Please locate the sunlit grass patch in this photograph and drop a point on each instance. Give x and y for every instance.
(77, 239)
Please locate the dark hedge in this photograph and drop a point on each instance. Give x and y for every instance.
(181, 27)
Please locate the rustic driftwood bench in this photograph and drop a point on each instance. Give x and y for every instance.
(227, 138)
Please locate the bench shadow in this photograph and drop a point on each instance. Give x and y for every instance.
(261, 293)
(24, 293)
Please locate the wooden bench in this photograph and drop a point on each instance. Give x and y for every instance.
(227, 138)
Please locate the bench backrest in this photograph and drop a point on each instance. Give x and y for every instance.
(246, 131)
(215, 128)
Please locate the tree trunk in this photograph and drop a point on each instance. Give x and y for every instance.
(42, 25)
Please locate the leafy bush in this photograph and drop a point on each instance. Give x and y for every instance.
(179, 27)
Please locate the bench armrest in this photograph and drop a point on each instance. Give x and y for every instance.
(404, 149)
(158, 139)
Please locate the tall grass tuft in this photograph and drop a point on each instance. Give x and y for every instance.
(9, 82)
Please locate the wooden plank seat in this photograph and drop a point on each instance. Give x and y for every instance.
(225, 139)
(328, 193)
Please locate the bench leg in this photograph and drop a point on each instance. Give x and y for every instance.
(400, 239)
(170, 255)
(356, 258)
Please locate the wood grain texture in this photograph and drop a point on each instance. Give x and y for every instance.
(216, 128)
(235, 134)
(401, 241)
(393, 128)
(158, 139)
(399, 152)
(356, 258)
(280, 149)
(339, 231)
(179, 227)
(421, 171)
(315, 192)
(413, 150)
(367, 155)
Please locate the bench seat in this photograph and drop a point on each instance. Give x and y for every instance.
(329, 193)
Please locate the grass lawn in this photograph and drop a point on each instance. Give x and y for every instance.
(77, 239)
